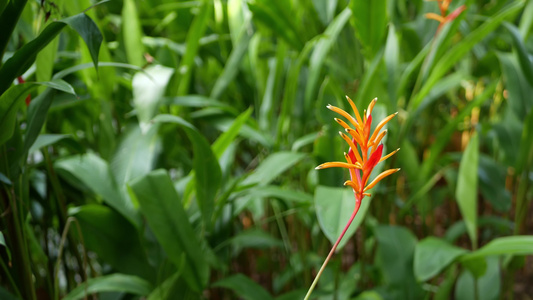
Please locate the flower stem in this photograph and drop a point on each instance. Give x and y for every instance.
(356, 209)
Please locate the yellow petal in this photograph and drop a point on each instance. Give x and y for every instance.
(379, 177)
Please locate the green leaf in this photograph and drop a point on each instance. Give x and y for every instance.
(113, 239)
(272, 167)
(244, 287)
(525, 156)
(46, 140)
(274, 191)
(194, 34)
(467, 187)
(432, 255)
(111, 283)
(275, 17)
(60, 85)
(89, 32)
(167, 218)
(518, 88)
(136, 153)
(488, 285)
(512, 245)
(523, 56)
(334, 207)
(458, 52)
(225, 139)
(231, 67)
(394, 259)
(25, 56)
(95, 173)
(148, 89)
(370, 24)
(320, 53)
(207, 170)
(254, 238)
(10, 102)
(132, 33)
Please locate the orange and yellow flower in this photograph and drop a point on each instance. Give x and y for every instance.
(365, 150)
(444, 17)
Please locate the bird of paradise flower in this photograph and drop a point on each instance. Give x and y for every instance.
(365, 152)
(444, 17)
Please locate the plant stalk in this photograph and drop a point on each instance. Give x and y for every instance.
(356, 209)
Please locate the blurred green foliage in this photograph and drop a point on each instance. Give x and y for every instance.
(167, 149)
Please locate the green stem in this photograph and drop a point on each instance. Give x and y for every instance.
(356, 209)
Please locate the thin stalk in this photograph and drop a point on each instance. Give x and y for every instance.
(356, 209)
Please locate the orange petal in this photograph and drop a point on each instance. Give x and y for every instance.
(389, 155)
(371, 106)
(355, 111)
(352, 146)
(434, 16)
(381, 124)
(353, 184)
(342, 113)
(355, 135)
(379, 177)
(336, 164)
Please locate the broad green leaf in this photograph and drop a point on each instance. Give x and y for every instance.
(271, 167)
(111, 283)
(370, 24)
(488, 285)
(168, 220)
(113, 239)
(394, 259)
(492, 176)
(254, 238)
(4, 294)
(432, 255)
(512, 245)
(89, 32)
(244, 287)
(467, 187)
(148, 89)
(320, 53)
(274, 191)
(132, 33)
(95, 174)
(334, 207)
(207, 170)
(10, 102)
(44, 140)
(136, 153)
